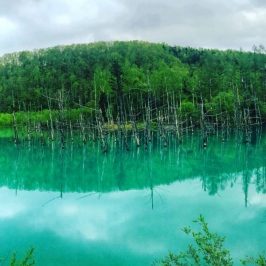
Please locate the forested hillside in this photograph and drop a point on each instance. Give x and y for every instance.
(122, 76)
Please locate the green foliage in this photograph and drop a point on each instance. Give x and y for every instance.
(222, 102)
(90, 72)
(28, 259)
(263, 109)
(189, 109)
(101, 81)
(259, 261)
(134, 78)
(207, 249)
(6, 120)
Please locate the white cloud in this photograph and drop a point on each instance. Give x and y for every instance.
(28, 24)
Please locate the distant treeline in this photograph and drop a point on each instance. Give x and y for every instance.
(118, 77)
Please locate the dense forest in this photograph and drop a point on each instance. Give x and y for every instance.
(134, 80)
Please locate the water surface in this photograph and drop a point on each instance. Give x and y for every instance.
(78, 206)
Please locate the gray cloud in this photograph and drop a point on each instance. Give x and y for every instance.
(29, 24)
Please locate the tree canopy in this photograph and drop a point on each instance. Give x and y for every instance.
(89, 72)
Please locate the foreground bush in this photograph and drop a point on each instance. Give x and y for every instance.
(207, 249)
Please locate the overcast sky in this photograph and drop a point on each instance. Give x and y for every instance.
(29, 24)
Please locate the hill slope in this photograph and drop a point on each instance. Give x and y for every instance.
(122, 74)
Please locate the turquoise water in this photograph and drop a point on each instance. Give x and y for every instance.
(78, 206)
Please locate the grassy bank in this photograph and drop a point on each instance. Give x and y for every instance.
(23, 118)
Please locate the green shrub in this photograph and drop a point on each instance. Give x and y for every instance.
(28, 259)
(207, 249)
